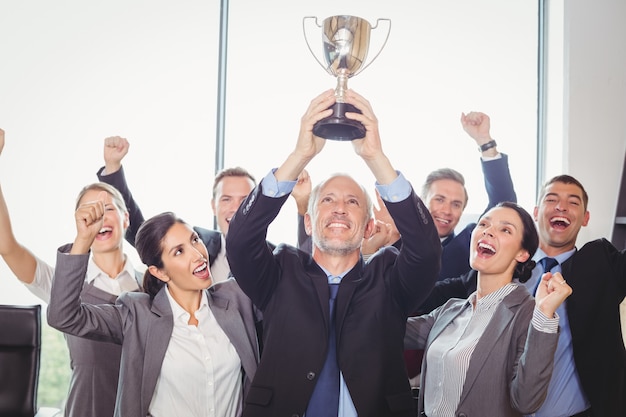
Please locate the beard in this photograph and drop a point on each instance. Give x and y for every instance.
(333, 247)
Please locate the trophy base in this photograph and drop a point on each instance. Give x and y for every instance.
(337, 126)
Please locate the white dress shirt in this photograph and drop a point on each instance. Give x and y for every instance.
(220, 270)
(201, 373)
(124, 281)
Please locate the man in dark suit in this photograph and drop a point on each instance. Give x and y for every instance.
(230, 187)
(446, 197)
(294, 288)
(589, 377)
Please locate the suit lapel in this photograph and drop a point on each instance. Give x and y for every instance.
(161, 325)
(232, 324)
(501, 319)
(347, 288)
(319, 280)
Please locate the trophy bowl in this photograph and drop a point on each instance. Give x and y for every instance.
(345, 45)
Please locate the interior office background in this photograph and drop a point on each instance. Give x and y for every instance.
(76, 72)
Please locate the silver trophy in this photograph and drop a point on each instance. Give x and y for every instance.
(345, 43)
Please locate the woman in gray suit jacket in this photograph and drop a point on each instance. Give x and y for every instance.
(188, 349)
(492, 354)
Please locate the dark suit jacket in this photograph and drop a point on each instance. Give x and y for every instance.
(511, 367)
(373, 303)
(597, 275)
(143, 327)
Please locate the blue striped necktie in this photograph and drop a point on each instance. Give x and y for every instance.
(324, 401)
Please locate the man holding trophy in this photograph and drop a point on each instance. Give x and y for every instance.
(334, 325)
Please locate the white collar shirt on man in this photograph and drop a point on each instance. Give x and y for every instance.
(220, 270)
(201, 373)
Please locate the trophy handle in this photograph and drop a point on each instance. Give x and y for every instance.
(379, 49)
(306, 39)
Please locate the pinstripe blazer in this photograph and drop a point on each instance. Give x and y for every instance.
(143, 327)
(510, 368)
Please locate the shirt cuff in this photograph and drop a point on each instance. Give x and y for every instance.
(543, 323)
(491, 158)
(398, 190)
(274, 188)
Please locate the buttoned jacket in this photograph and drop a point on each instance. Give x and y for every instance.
(372, 305)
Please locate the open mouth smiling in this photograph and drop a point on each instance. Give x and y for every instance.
(559, 222)
(485, 249)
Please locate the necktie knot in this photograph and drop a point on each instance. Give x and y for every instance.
(548, 263)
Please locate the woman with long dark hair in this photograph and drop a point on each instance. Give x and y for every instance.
(492, 353)
(187, 346)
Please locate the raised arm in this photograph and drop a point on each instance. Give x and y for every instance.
(112, 173)
(308, 145)
(370, 148)
(65, 310)
(21, 261)
(498, 182)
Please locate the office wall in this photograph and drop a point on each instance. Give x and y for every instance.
(594, 122)
(594, 110)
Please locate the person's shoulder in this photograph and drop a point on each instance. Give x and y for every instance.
(134, 298)
(594, 246)
(520, 296)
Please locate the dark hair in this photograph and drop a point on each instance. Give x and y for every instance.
(150, 249)
(530, 241)
(565, 179)
(231, 172)
(444, 174)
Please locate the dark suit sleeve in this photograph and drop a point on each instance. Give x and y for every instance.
(118, 180)
(305, 243)
(498, 182)
(249, 255)
(418, 263)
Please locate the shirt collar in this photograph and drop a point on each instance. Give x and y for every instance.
(561, 257)
(491, 300)
(335, 279)
(179, 312)
(93, 271)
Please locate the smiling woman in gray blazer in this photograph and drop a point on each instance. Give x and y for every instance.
(186, 350)
(492, 354)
